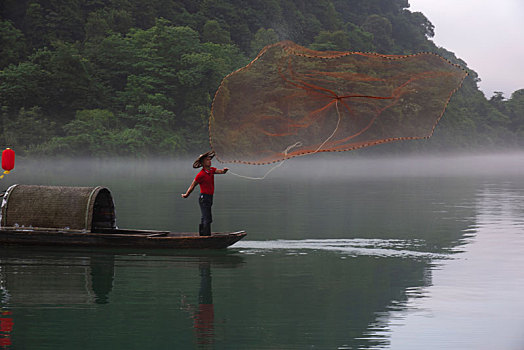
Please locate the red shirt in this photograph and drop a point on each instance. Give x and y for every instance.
(206, 180)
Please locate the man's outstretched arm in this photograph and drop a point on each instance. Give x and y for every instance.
(190, 189)
(221, 171)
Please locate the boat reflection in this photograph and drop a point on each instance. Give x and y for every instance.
(43, 280)
(47, 278)
(102, 272)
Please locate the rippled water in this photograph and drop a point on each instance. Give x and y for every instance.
(346, 247)
(360, 254)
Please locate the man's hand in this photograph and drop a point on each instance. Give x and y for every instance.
(185, 195)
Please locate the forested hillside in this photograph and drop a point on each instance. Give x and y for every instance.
(134, 77)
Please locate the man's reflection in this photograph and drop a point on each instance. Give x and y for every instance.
(205, 316)
(6, 326)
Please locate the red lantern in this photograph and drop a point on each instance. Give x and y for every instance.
(8, 159)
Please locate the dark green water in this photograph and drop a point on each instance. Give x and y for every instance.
(352, 254)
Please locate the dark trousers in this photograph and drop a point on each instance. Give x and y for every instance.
(206, 201)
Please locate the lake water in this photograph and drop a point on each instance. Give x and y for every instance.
(341, 253)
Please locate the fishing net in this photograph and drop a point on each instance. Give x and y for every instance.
(291, 101)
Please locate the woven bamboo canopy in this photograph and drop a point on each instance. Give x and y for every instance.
(58, 207)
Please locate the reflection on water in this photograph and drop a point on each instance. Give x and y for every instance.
(281, 295)
(475, 301)
(383, 256)
(203, 314)
(102, 271)
(259, 297)
(6, 327)
(57, 287)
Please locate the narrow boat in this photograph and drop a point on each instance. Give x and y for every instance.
(85, 216)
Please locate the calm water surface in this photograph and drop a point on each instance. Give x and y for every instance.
(419, 253)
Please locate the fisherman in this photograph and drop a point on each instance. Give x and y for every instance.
(206, 179)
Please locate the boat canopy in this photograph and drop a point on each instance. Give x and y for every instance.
(58, 207)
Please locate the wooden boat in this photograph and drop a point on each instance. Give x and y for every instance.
(85, 216)
(118, 238)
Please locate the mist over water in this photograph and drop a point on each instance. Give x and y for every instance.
(341, 166)
(342, 251)
(312, 166)
(147, 192)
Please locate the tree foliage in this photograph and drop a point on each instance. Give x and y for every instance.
(133, 77)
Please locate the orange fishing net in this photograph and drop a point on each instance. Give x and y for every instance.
(292, 101)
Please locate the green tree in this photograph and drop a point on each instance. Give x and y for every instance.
(22, 85)
(36, 25)
(515, 108)
(359, 40)
(382, 30)
(104, 22)
(165, 59)
(410, 32)
(156, 127)
(263, 37)
(12, 44)
(92, 132)
(214, 33)
(27, 130)
(70, 85)
(336, 41)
